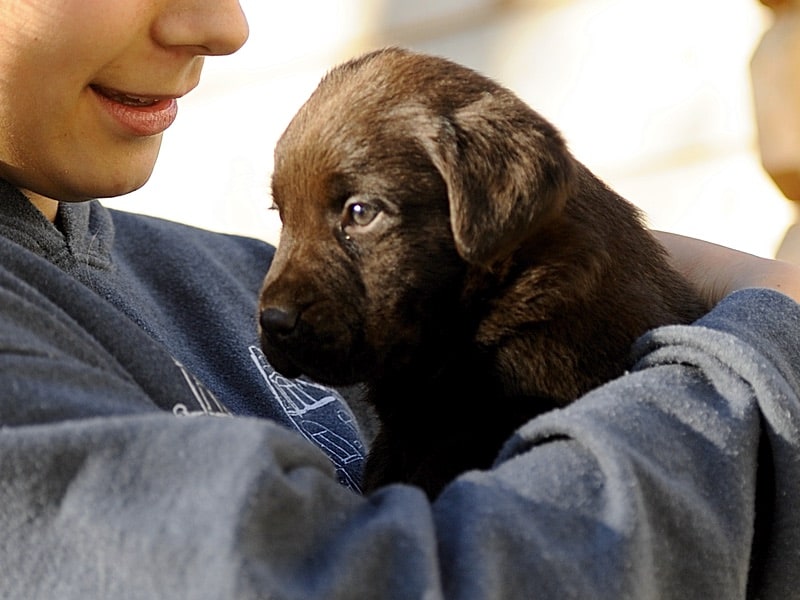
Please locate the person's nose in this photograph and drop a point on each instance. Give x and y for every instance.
(204, 27)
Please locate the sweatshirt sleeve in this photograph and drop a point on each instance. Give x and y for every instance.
(646, 488)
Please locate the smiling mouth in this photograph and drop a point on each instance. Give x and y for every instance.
(142, 116)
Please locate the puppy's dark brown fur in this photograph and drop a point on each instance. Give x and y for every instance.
(441, 244)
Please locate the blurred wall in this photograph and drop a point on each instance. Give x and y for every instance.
(654, 97)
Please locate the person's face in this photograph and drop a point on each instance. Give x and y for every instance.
(88, 86)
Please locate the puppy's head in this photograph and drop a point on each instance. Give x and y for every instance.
(400, 175)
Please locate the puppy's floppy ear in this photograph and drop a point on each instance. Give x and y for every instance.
(507, 170)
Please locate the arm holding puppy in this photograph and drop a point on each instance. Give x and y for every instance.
(676, 480)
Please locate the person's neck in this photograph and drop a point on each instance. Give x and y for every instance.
(47, 206)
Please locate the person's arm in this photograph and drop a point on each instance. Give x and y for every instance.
(643, 489)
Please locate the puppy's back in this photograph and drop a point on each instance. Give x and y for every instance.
(592, 282)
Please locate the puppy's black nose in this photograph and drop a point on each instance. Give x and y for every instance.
(278, 321)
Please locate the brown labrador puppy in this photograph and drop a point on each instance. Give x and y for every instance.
(442, 245)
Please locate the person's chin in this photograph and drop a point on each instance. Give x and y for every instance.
(126, 175)
(109, 186)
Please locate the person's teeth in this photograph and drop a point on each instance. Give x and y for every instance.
(135, 100)
(129, 100)
(140, 101)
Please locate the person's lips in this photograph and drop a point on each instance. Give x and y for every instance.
(138, 114)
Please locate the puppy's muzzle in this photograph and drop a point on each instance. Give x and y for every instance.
(308, 340)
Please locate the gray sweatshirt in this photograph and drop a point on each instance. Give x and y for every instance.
(124, 339)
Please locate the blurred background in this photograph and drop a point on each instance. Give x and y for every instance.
(654, 97)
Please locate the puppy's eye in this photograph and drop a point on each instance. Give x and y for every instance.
(360, 212)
